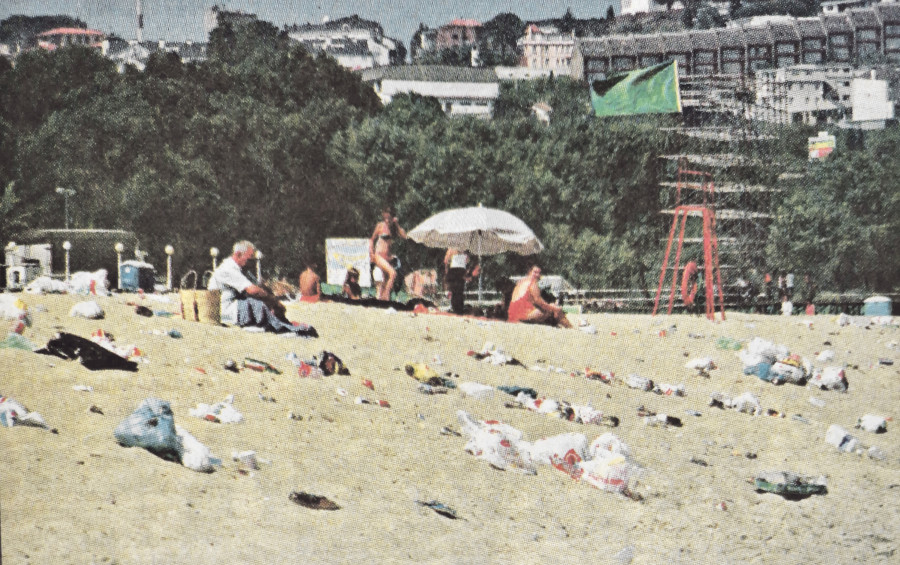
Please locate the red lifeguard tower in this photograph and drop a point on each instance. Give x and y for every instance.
(701, 183)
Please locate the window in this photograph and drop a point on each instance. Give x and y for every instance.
(758, 51)
(785, 48)
(839, 39)
(864, 49)
(596, 65)
(681, 58)
(732, 54)
(704, 57)
(892, 29)
(812, 58)
(786, 61)
(840, 54)
(892, 43)
(731, 68)
(867, 35)
(704, 69)
(758, 64)
(623, 63)
(813, 43)
(648, 60)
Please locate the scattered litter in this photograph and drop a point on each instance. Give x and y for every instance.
(152, 427)
(875, 453)
(669, 389)
(515, 390)
(425, 374)
(587, 328)
(47, 285)
(693, 413)
(382, 403)
(95, 410)
(872, 423)
(219, 413)
(426, 388)
(259, 366)
(96, 283)
(639, 382)
(496, 443)
(825, 356)
(368, 384)
(816, 401)
(841, 439)
(830, 378)
(83, 388)
(789, 485)
(16, 341)
(174, 334)
(477, 391)
(448, 431)
(230, 365)
(747, 403)
(703, 365)
(14, 414)
(800, 418)
(697, 461)
(885, 361)
(543, 450)
(494, 355)
(440, 508)
(313, 501)
(88, 309)
(595, 375)
(726, 343)
(246, 458)
(143, 311)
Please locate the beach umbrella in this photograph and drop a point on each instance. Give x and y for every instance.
(479, 230)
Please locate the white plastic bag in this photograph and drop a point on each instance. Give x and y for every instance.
(543, 450)
(14, 414)
(45, 284)
(768, 350)
(195, 455)
(607, 446)
(477, 391)
(872, 423)
(88, 309)
(221, 412)
(12, 308)
(785, 373)
(607, 474)
(841, 439)
(701, 364)
(830, 378)
(84, 282)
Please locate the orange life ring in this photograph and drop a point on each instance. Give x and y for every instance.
(689, 283)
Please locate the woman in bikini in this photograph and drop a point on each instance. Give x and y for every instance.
(527, 305)
(380, 250)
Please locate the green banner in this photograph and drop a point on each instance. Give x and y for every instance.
(653, 90)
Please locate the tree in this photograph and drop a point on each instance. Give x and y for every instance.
(610, 13)
(708, 17)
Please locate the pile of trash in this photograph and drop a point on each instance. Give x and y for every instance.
(746, 403)
(774, 363)
(430, 378)
(642, 383)
(88, 309)
(323, 365)
(604, 464)
(14, 310)
(81, 282)
(152, 426)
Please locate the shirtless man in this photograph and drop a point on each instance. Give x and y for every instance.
(310, 284)
(528, 306)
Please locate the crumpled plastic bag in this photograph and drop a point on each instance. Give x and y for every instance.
(221, 412)
(872, 423)
(477, 391)
(88, 309)
(46, 285)
(194, 455)
(499, 444)
(830, 378)
(747, 403)
(701, 364)
(543, 450)
(14, 414)
(841, 439)
(95, 283)
(151, 426)
(769, 351)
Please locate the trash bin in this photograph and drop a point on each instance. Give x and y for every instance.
(877, 306)
(134, 275)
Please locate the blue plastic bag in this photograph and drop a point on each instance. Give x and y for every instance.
(151, 426)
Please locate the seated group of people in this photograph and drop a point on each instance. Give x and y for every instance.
(246, 301)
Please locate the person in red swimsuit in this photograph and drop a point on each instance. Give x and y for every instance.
(528, 306)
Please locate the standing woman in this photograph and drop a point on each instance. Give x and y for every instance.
(380, 250)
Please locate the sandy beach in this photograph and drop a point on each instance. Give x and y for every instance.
(76, 496)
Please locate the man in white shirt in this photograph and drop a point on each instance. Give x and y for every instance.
(245, 302)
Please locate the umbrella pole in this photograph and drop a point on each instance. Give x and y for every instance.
(480, 271)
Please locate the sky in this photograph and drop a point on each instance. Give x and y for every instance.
(179, 20)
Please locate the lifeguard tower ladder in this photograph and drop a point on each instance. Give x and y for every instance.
(701, 182)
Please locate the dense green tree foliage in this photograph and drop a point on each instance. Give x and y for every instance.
(268, 143)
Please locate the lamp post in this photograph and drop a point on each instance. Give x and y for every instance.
(66, 193)
(214, 253)
(169, 251)
(67, 246)
(119, 249)
(259, 257)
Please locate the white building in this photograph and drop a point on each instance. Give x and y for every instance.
(354, 42)
(459, 90)
(548, 49)
(813, 94)
(645, 6)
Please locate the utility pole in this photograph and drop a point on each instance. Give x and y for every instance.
(66, 193)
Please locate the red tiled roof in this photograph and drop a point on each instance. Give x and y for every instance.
(465, 23)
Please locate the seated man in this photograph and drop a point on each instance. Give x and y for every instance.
(527, 305)
(310, 284)
(247, 303)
